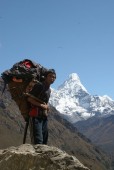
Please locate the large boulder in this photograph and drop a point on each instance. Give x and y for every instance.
(38, 157)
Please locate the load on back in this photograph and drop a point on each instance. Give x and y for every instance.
(20, 80)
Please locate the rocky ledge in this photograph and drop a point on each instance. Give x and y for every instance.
(38, 157)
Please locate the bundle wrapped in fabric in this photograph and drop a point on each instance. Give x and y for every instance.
(20, 80)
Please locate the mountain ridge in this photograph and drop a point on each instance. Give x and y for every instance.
(74, 102)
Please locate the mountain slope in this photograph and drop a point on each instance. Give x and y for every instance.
(100, 131)
(62, 134)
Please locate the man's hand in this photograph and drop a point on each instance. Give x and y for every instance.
(45, 107)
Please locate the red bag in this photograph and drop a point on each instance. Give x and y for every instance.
(33, 112)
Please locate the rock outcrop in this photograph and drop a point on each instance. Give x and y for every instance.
(38, 157)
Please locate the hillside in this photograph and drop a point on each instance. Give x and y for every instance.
(62, 134)
(100, 131)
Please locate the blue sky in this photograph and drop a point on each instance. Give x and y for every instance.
(68, 35)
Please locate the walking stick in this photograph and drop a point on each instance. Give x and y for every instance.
(25, 131)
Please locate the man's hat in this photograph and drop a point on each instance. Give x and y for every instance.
(50, 71)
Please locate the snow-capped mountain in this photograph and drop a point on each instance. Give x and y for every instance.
(74, 102)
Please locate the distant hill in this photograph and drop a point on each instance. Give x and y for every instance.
(100, 131)
(62, 134)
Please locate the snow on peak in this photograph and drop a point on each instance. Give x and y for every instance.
(73, 82)
(74, 77)
(73, 101)
(107, 97)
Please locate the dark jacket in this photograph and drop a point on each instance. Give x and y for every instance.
(42, 92)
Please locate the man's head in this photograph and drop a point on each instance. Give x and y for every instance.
(50, 71)
(50, 76)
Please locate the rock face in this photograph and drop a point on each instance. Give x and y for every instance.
(38, 157)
